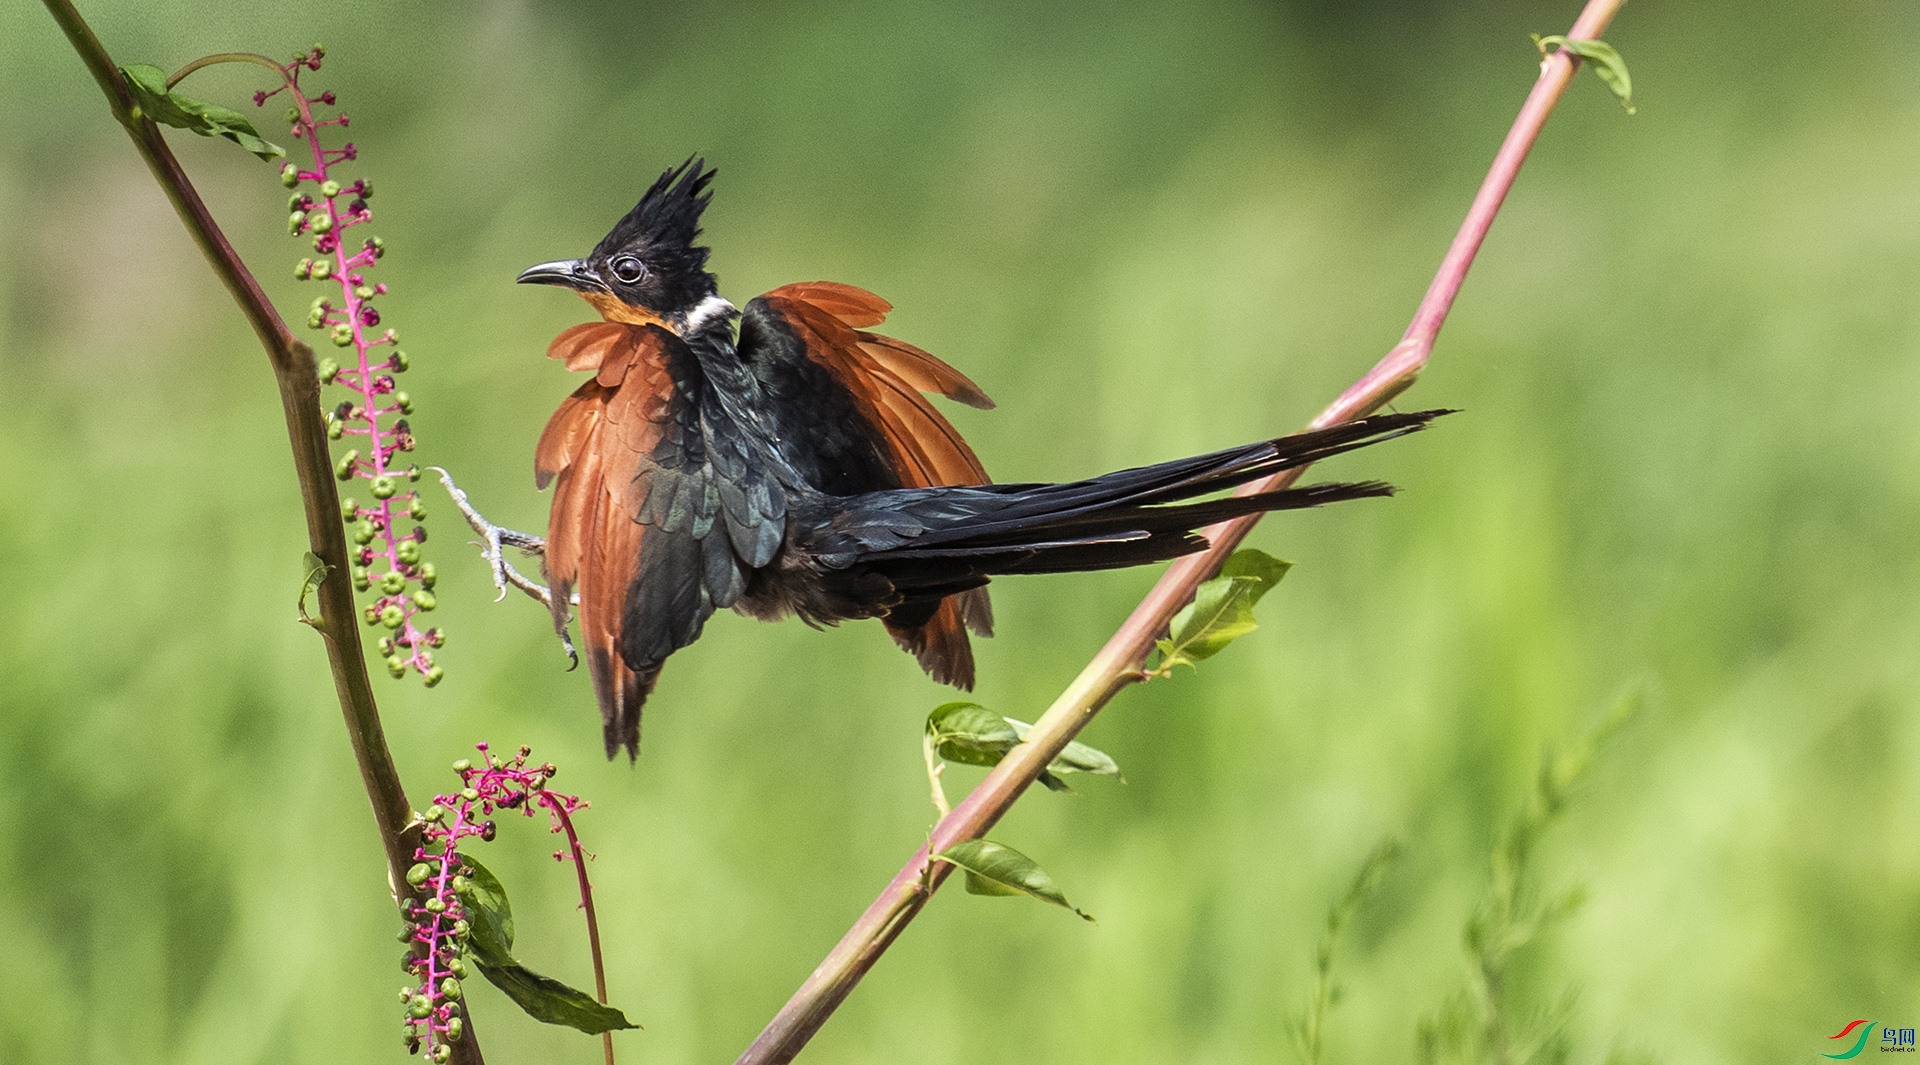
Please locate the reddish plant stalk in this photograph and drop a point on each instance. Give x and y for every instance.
(565, 819)
(1120, 662)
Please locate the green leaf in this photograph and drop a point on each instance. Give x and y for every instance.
(149, 87)
(1222, 609)
(997, 869)
(150, 93)
(1076, 758)
(490, 945)
(316, 572)
(971, 734)
(551, 1002)
(231, 124)
(980, 885)
(489, 914)
(1607, 63)
(1257, 564)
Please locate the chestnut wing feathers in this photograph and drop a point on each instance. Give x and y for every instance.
(660, 515)
(853, 419)
(651, 524)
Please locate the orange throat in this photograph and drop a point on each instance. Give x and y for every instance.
(613, 310)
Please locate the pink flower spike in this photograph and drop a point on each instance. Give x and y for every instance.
(388, 560)
(436, 883)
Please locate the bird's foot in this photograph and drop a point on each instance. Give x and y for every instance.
(493, 541)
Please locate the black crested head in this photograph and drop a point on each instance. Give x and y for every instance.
(649, 259)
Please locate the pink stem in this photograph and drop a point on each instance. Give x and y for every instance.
(559, 808)
(1119, 663)
(443, 922)
(362, 378)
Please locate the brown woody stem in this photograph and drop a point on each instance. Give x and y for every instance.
(295, 373)
(1119, 663)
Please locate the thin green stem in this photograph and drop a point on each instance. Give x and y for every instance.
(298, 379)
(935, 767)
(1119, 663)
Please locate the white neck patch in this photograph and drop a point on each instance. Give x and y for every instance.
(709, 308)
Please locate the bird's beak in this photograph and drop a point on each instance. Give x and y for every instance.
(567, 273)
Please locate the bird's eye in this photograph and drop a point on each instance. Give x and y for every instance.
(628, 269)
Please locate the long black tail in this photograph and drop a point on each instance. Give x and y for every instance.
(935, 541)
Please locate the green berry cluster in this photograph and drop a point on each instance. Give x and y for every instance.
(386, 558)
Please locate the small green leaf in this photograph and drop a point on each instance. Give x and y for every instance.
(149, 87)
(1257, 564)
(489, 914)
(980, 885)
(490, 945)
(231, 124)
(1053, 783)
(551, 1002)
(316, 572)
(1606, 63)
(1222, 609)
(970, 734)
(1076, 758)
(997, 869)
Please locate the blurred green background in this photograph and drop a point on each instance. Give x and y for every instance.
(1686, 463)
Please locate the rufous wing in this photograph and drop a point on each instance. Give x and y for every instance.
(886, 378)
(596, 452)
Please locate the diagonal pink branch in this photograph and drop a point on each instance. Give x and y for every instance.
(1119, 663)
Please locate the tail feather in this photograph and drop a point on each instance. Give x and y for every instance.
(943, 539)
(1016, 510)
(1128, 536)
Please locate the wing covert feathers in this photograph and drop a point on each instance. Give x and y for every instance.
(886, 378)
(855, 309)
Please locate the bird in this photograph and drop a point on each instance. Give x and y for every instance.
(781, 459)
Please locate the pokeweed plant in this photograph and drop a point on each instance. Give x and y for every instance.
(324, 208)
(386, 558)
(456, 910)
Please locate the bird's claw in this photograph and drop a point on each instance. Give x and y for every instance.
(490, 550)
(493, 542)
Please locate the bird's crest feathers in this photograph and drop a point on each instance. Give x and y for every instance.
(668, 216)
